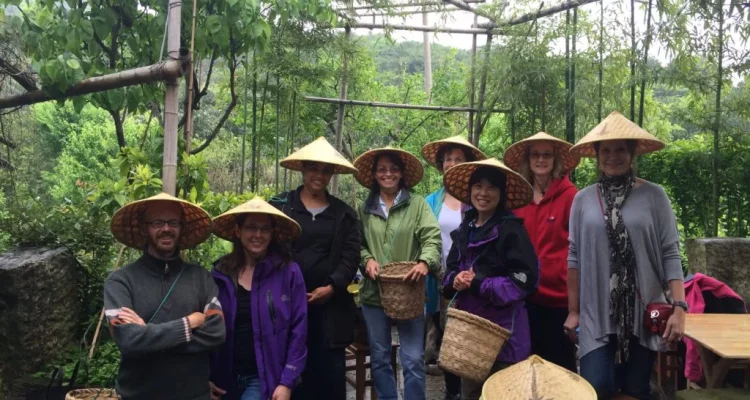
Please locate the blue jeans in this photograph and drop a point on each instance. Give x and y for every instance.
(249, 386)
(411, 340)
(631, 377)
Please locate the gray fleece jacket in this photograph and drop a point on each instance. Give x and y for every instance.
(164, 359)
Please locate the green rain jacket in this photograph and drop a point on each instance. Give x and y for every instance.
(409, 233)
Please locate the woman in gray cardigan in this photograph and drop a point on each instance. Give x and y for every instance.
(624, 254)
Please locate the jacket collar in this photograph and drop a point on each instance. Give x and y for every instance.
(159, 266)
(263, 268)
(468, 235)
(402, 198)
(556, 188)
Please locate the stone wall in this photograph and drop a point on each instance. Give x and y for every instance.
(39, 310)
(726, 259)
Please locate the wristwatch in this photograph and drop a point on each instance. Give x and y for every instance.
(681, 304)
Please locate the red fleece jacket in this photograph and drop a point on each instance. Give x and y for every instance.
(547, 225)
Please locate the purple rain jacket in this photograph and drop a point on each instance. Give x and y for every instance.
(507, 271)
(278, 301)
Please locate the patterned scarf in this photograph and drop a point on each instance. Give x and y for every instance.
(614, 191)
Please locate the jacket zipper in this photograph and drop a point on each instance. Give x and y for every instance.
(271, 308)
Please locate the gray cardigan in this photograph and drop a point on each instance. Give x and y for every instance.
(652, 228)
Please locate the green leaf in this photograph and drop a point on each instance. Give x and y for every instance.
(213, 23)
(86, 29)
(121, 199)
(265, 28)
(78, 103)
(231, 2)
(116, 98)
(101, 28)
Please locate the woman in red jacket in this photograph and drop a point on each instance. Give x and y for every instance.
(545, 162)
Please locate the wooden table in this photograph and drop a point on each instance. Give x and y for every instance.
(724, 341)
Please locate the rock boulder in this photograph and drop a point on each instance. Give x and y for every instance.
(39, 309)
(726, 259)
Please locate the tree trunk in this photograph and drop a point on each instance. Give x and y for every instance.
(254, 155)
(601, 58)
(341, 109)
(472, 81)
(427, 58)
(645, 65)
(258, 151)
(482, 89)
(119, 131)
(244, 133)
(567, 75)
(632, 60)
(717, 126)
(572, 134)
(278, 119)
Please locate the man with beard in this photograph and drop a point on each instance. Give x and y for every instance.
(162, 312)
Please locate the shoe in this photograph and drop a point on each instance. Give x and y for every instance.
(433, 370)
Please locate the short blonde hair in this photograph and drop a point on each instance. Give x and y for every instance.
(524, 169)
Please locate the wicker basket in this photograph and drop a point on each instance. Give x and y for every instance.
(401, 300)
(92, 394)
(470, 345)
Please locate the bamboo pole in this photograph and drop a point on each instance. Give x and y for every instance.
(171, 69)
(101, 315)
(465, 7)
(171, 107)
(601, 59)
(410, 12)
(645, 65)
(438, 29)
(632, 60)
(396, 105)
(341, 108)
(427, 56)
(542, 13)
(401, 5)
(482, 89)
(472, 80)
(189, 100)
(244, 132)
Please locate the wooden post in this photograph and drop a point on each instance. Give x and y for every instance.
(482, 89)
(171, 107)
(342, 107)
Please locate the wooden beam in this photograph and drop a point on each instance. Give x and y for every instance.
(25, 79)
(409, 12)
(395, 105)
(537, 14)
(170, 69)
(469, 31)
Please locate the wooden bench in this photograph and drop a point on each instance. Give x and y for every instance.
(713, 394)
(360, 353)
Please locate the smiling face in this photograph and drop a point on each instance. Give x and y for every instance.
(255, 234)
(316, 176)
(541, 158)
(485, 196)
(387, 174)
(614, 157)
(453, 157)
(162, 222)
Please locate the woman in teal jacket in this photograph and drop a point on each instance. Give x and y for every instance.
(449, 211)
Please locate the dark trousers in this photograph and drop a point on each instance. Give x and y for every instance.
(548, 340)
(632, 377)
(452, 382)
(324, 376)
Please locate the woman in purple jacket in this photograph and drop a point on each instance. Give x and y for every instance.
(265, 306)
(492, 267)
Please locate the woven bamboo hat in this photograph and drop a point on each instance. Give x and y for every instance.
(536, 378)
(319, 150)
(430, 150)
(126, 223)
(515, 154)
(285, 229)
(412, 174)
(518, 191)
(617, 127)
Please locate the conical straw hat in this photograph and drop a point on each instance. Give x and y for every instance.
(518, 191)
(514, 155)
(617, 127)
(285, 229)
(126, 223)
(319, 150)
(430, 150)
(536, 378)
(411, 175)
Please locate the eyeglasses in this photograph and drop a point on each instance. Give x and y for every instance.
(325, 170)
(159, 223)
(543, 156)
(264, 230)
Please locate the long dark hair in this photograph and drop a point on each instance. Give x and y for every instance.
(232, 263)
(375, 188)
(495, 178)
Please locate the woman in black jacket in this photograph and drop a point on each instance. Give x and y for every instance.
(328, 254)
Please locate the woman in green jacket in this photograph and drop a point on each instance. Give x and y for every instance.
(396, 226)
